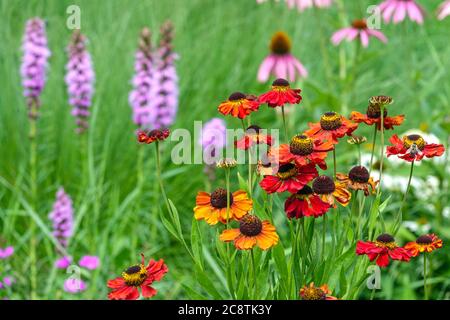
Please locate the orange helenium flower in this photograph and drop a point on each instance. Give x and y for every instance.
(331, 127)
(373, 117)
(239, 105)
(312, 292)
(213, 207)
(425, 243)
(331, 191)
(358, 178)
(303, 150)
(251, 232)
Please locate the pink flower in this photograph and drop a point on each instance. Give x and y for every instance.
(305, 4)
(281, 63)
(396, 11)
(444, 10)
(89, 262)
(358, 28)
(6, 252)
(63, 262)
(73, 285)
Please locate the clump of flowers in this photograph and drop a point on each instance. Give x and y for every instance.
(34, 64)
(79, 79)
(138, 276)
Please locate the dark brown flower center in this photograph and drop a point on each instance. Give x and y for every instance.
(425, 239)
(301, 145)
(135, 275)
(313, 293)
(374, 111)
(359, 24)
(280, 43)
(219, 198)
(253, 129)
(133, 269)
(305, 191)
(280, 83)
(414, 139)
(385, 238)
(359, 174)
(250, 225)
(330, 121)
(236, 96)
(323, 185)
(287, 171)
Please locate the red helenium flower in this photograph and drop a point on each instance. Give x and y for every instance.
(153, 135)
(413, 148)
(382, 250)
(138, 276)
(281, 94)
(305, 203)
(289, 178)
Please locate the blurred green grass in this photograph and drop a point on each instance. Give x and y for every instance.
(220, 44)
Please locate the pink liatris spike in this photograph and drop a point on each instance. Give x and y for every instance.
(80, 80)
(62, 218)
(140, 96)
(164, 98)
(34, 63)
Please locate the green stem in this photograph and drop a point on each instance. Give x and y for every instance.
(382, 147)
(425, 275)
(374, 141)
(33, 176)
(334, 161)
(250, 179)
(324, 233)
(255, 282)
(359, 155)
(400, 210)
(284, 124)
